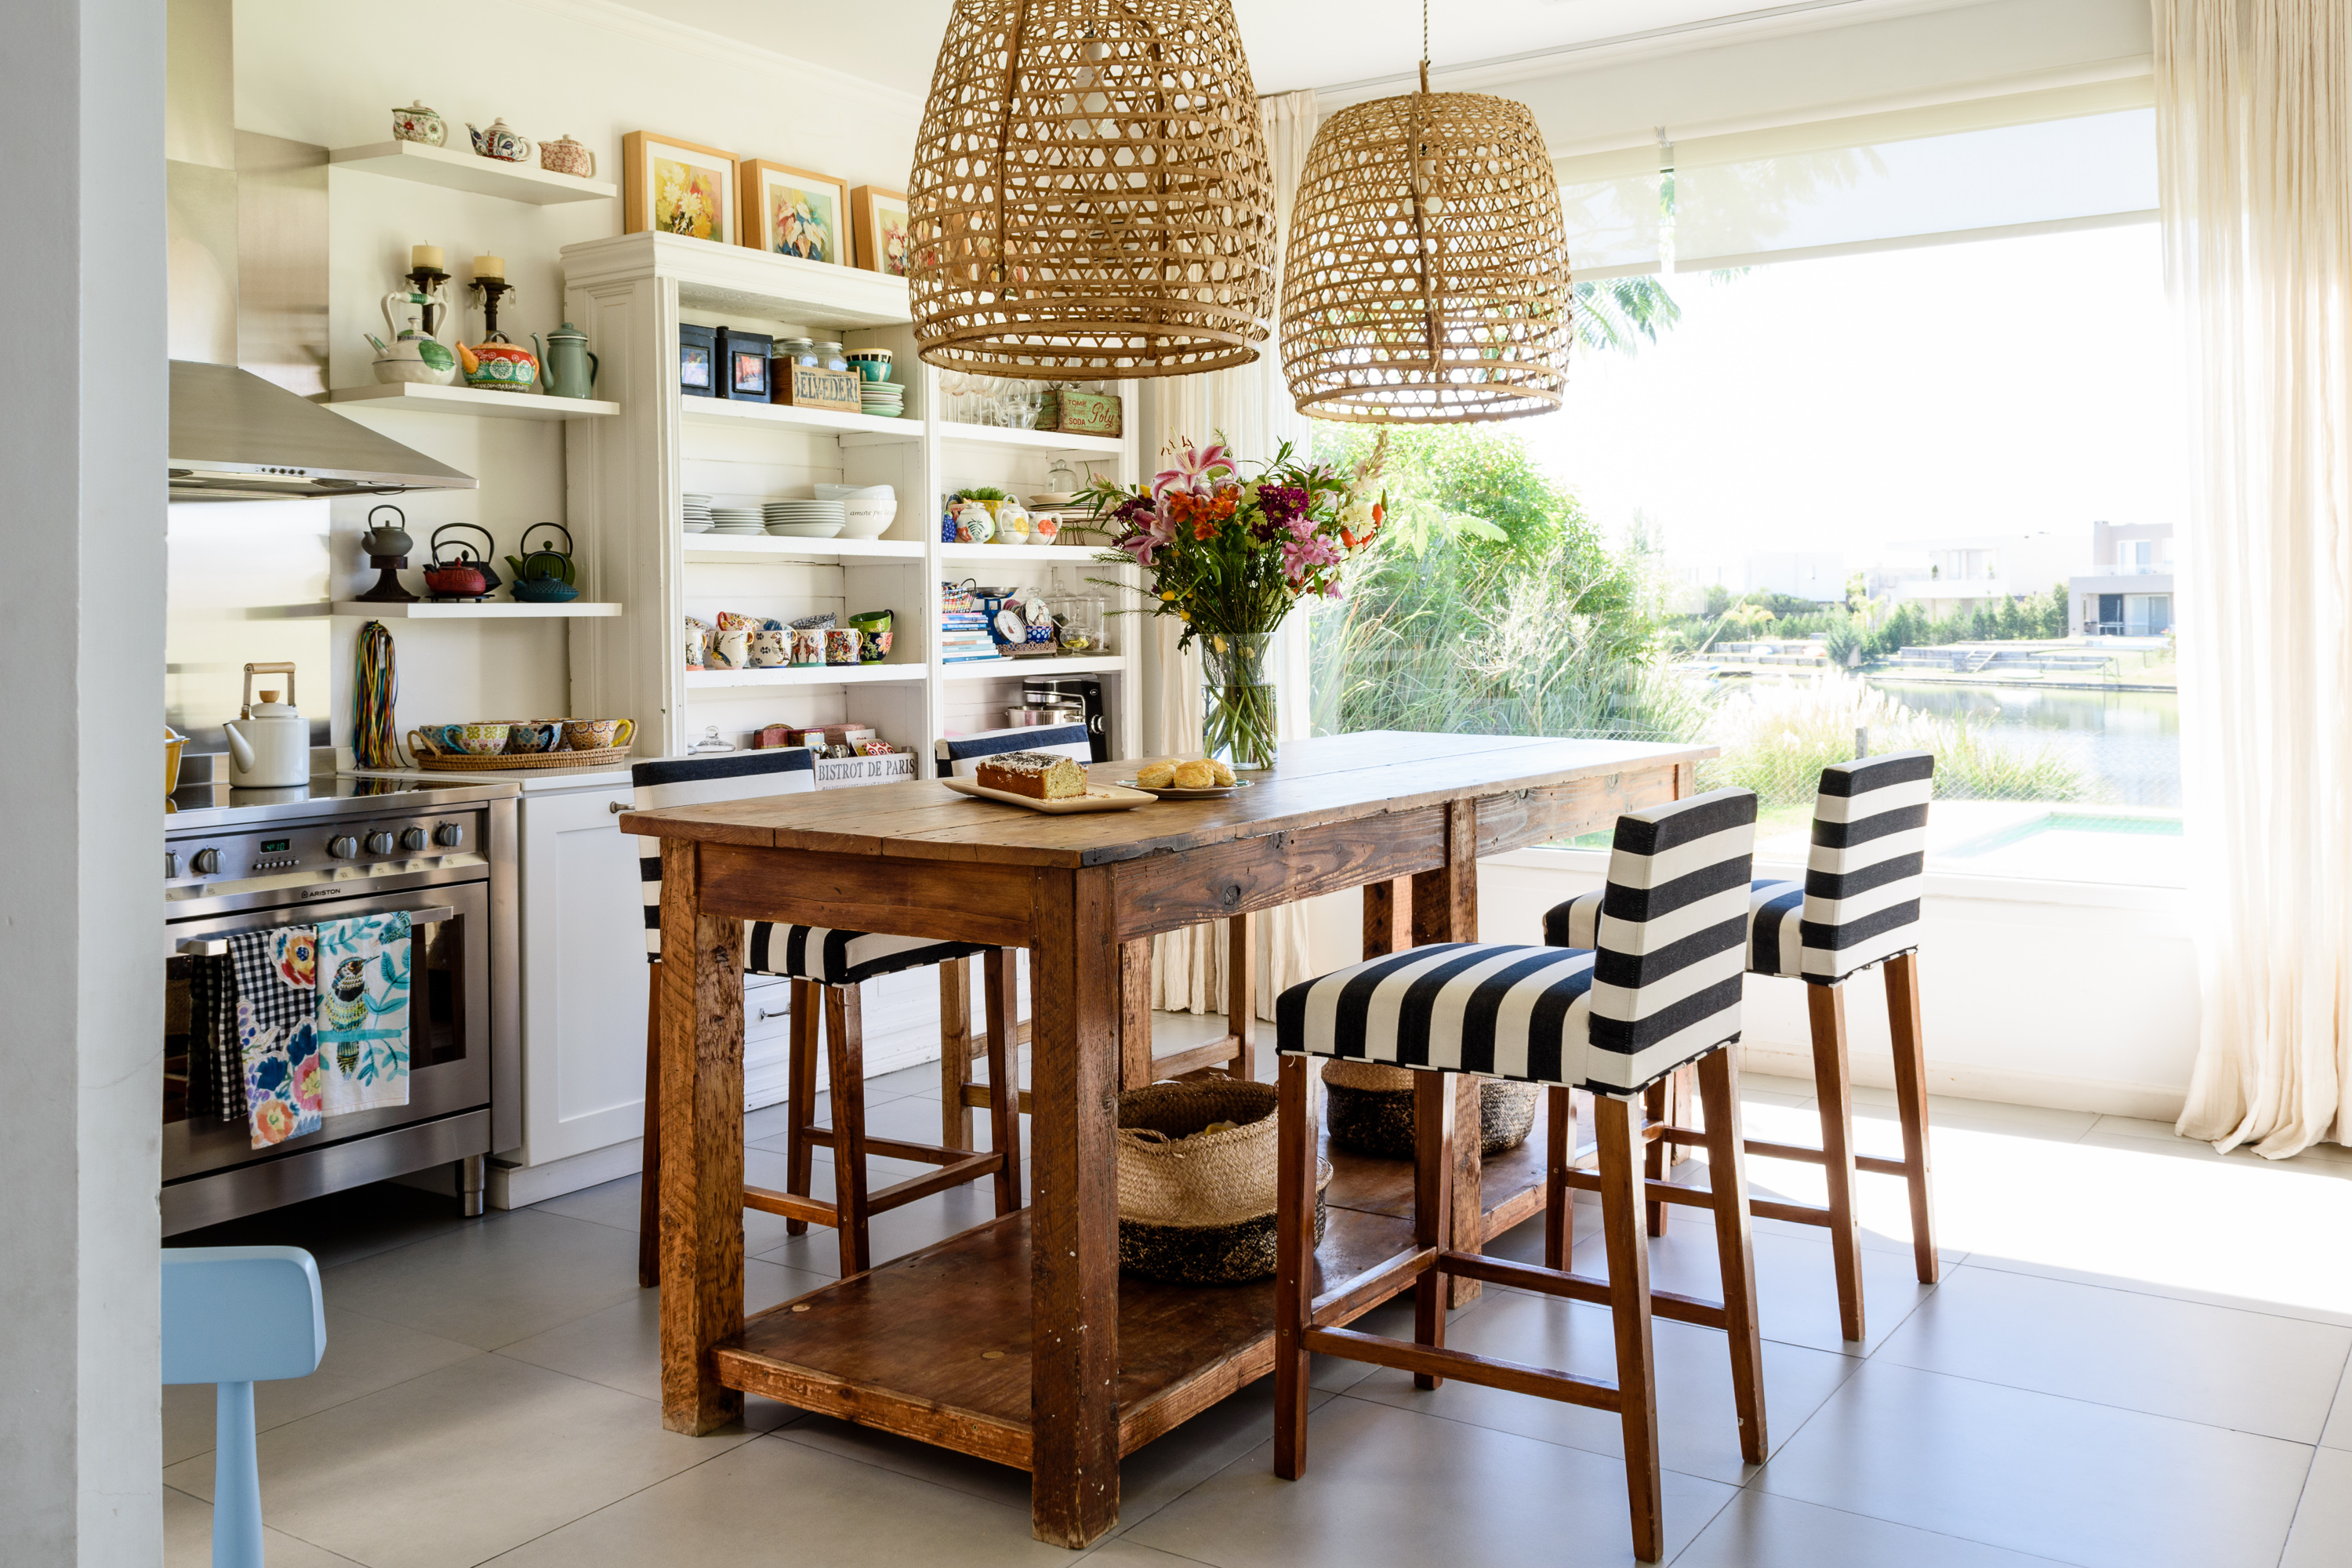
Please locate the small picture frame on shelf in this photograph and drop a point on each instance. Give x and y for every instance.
(879, 217)
(669, 187)
(793, 212)
(743, 364)
(698, 360)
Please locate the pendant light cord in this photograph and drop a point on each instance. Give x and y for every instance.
(1424, 45)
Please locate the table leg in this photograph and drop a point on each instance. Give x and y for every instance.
(1446, 909)
(702, 1146)
(1388, 917)
(1134, 1012)
(1074, 1228)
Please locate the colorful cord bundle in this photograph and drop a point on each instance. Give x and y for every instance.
(377, 688)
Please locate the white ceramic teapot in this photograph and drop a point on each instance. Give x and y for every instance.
(269, 740)
(412, 355)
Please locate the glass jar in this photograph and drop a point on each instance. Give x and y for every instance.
(799, 350)
(829, 357)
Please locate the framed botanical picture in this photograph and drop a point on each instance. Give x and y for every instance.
(879, 217)
(678, 187)
(791, 212)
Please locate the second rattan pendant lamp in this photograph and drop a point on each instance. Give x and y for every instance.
(1426, 280)
(1090, 196)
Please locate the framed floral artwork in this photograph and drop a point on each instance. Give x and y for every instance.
(879, 217)
(791, 212)
(678, 187)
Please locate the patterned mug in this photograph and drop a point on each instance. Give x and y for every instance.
(770, 650)
(841, 645)
(596, 734)
(808, 647)
(475, 740)
(527, 736)
(729, 650)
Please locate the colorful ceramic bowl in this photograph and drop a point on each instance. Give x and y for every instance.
(595, 734)
(476, 740)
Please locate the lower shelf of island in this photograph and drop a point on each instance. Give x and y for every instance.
(807, 674)
(935, 1345)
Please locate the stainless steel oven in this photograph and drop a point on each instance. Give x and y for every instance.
(341, 848)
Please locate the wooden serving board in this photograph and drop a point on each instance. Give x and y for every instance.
(1098, 797)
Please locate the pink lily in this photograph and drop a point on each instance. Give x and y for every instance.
(1195, 466)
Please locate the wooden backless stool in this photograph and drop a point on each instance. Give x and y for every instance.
(1857, 906)
(1662, 990)
(825, 968)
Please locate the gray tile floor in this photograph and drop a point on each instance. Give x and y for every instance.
(2137, 1356)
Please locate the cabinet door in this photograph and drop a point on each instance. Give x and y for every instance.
(583, 976)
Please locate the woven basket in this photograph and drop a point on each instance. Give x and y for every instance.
(435, 758)
(1198, 1209)
(1367, 1107)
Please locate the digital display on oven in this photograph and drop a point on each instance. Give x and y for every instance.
(276, 846)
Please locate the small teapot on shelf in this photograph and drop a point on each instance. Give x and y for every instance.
(419, 124)
(545, 576)
(386, 546)
(565, 156)
(566, 367)
(465, 575)
(502, 141)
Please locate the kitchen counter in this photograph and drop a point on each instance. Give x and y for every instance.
(529, 781)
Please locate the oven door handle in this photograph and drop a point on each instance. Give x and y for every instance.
(217, 946)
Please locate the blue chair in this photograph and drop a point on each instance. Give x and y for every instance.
(235, 1316)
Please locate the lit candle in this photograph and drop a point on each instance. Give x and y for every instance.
(490, 267)
(425, 259)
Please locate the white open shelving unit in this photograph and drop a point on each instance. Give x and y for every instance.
(628, 475)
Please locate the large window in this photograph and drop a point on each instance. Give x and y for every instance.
(1919, 495)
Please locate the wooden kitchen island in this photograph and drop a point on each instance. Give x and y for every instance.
(1018, 1341)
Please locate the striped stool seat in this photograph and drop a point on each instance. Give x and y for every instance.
(842, 957)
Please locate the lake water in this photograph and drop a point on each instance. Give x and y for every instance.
(2125, 743)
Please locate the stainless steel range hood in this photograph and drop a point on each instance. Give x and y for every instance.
(248, 293)
(236, 436)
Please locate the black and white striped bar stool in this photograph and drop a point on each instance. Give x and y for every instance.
(1659, 988)
(1858, 905)
(825, 968)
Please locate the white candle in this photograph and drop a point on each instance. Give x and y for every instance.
(425, 259)
(490, 267)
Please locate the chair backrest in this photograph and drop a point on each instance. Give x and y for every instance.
(1672, 942)
(241, 1314)
(960, 756)
(697, 781)
(1868, 863)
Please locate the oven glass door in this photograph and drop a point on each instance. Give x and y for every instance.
(448, 1028)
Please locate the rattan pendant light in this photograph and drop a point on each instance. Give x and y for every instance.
(1090, 196)
(1426, 280)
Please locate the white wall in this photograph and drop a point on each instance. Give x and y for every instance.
(329, 75)
(81, 649)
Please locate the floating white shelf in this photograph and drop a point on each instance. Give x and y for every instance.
(1032, 440)
(723, 277)
(1033, 669)
(768, 547)
(1016, 555)
(853, 429)
(487, 610)
(812, 675)
(457, 171)
(412, 395)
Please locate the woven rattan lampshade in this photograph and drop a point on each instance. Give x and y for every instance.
(1090, 194)
(1426, 280)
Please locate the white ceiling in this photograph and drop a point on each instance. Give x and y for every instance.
(1291, 43)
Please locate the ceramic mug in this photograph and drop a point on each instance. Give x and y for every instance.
(770, 650)
(808, 647)
(526, 736)
(596, 734)
(697, 639)
(475, 740)
(841, 645)
(730, 650)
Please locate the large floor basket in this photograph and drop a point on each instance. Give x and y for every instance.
(1197, 1207)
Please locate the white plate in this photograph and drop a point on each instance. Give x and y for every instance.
(1215, 792)
(1098, 797)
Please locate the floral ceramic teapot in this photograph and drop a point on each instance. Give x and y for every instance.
(502, 140)
(419, 124)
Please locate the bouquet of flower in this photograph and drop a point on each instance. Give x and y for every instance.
(1230, 557)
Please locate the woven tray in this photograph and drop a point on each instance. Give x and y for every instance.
(603, 756)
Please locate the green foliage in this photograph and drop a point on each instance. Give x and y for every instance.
(1613, 312)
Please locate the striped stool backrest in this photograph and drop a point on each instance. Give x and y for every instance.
(1868, 862)
(1671, 944)
(960, 756)
(696, 781)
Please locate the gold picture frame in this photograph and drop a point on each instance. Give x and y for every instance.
(672, 186)
(795, 212)
(879, 217)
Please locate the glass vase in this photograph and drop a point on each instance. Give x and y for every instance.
(1237, 725)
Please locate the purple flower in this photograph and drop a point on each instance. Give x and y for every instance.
(1301, 556)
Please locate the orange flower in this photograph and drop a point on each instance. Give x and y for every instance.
(1204, 528)
(1222, 507)
(273, 1120)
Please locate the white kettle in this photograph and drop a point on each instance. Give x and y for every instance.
(269, 740)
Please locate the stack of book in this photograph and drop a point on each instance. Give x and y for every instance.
(963, 627)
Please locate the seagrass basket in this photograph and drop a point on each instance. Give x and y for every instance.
(1198, 1207)
(1367, 1109)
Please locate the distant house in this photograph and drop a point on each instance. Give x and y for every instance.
(2128, 592)
(1957, 575)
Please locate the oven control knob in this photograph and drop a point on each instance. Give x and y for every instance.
(342, 847)
(170, 862)
(449, 834)
(379, 843)
(411, 839)
(206, 863)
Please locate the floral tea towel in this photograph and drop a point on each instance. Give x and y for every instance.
(363, 1012)
(277, 1031)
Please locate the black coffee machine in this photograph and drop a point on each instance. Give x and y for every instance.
(1083, 689)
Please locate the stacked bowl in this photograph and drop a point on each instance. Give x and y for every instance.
(790, 518)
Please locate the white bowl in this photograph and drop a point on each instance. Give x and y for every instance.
(865, 525)
(857, 492)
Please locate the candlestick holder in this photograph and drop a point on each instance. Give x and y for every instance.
(428, 281)
(492, 289)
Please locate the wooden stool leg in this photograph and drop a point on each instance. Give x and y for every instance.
(649, 1164)
(1911, 1099)
(844, 1033)
(1294, 1268)
(1433, 1203)
(955, 1052)
(1726, 1178)
(999, 977)
(1559, 1198)
(800, 1096)
(1657, 1104)
(1833, 1089)
(1629, 1304)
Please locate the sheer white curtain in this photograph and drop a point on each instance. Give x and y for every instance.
(1251, 407)
(2254, 124)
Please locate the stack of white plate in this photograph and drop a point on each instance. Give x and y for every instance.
(697, 513)
(883, 399)
(735, 519)
(791, 518)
